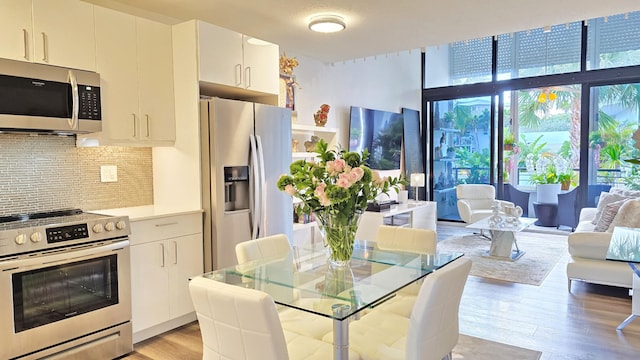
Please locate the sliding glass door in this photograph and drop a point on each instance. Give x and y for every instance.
(460, 149)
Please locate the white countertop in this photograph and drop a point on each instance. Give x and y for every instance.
(146, 212)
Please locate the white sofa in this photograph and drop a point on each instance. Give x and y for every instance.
(588, 250)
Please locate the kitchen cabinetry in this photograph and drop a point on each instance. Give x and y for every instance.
(54, 32)
(165, 253)
(134, 59)
(236, 60)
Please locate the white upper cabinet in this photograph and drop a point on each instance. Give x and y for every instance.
(117, 64)
(155, 74)
(261, 65)
(16, 29)
(55, 32)
(228, 58)
(64, 33)
(134, 59)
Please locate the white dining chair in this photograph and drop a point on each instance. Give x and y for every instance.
(239, 323)
(293, 320)
(430, 333)
(420, 241)
(273, 246)
(412, 240)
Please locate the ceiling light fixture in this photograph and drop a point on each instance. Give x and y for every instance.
(327, 23)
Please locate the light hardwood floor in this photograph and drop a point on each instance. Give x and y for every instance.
(562, 325)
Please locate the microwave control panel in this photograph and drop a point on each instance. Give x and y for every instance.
(89, 97)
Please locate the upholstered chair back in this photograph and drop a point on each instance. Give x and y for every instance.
(237, 323)
(274, 246)
(421, 241)
(479, 196)
(433, 326)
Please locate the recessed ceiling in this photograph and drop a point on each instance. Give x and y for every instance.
(374, 27)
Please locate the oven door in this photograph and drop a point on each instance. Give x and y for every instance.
(57, 297)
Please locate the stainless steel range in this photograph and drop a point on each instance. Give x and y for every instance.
(65, 286)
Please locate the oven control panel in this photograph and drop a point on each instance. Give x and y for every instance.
(31, 239)
(66, 233)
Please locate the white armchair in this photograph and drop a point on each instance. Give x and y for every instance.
(475, 200)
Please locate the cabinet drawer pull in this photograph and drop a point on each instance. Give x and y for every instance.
(134, 124)
(175, 250)
(238, 71)
(162, 249)
(25, 35)
(247, 77)
(148, 131)
(167, 224)
(45, 48)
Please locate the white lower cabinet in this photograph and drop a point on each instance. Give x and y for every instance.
(165, 253)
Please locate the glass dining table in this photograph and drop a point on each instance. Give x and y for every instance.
(625, 246)
(313, 285)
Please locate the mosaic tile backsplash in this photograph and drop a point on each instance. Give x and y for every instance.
(48, 172)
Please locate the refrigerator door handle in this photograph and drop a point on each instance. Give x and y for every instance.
(262, 185)
(254, 206)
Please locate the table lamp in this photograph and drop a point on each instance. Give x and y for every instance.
(417, 180)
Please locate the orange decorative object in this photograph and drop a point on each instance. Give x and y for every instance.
(321, 116)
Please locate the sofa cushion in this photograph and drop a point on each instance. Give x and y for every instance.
(610, 212)
(628, 215)
(606, 199)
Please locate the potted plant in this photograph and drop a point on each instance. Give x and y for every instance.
(509, 140)
(565, 181)
(548, 171)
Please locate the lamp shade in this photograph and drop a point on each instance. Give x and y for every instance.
(417, 179)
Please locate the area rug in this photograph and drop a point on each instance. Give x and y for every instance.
(542, 252)
(473, 348)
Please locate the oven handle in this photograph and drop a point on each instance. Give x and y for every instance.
(63, 257)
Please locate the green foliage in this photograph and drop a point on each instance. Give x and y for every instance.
(340, 183)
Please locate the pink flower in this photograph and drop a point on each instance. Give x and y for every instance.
(319, 191)
(344, 181)
(358, 172)
(289, 189)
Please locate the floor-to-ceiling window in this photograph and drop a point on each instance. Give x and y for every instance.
(561, 92)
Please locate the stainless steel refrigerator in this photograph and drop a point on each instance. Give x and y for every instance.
(245, 148)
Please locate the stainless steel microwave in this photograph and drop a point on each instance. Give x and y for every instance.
(48, 99)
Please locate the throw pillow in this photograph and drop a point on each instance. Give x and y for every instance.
(628, 215)
(605, 199)
(608, 214)
(625, 192)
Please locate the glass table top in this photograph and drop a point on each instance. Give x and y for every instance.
(508, 224)
(624, 245)
(314, 286)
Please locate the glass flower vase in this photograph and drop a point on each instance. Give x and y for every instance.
(338, 233)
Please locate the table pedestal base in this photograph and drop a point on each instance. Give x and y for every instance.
(340, 332)
(502, 243)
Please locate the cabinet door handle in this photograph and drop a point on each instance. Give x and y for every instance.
(45, 48)
(162, 249)
(134, 125)
(175, 250)
(25, 36)
(238, 72)
(247, 77)
(148, 124)
(167, 224)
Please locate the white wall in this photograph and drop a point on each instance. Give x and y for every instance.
(384, 82)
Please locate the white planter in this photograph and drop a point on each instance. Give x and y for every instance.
(547, 193)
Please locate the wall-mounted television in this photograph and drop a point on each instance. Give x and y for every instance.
(381, 133)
